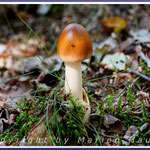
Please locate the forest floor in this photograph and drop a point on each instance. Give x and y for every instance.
(33, 110)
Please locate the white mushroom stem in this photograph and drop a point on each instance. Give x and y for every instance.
(73, 80)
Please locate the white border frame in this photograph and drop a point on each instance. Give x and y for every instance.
(75, 3)
(42, 147)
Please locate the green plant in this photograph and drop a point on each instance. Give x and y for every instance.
(72, 127)
(56, 8)
(144, 114)
(146, 70)
(130, 96)
(120, 143)
(23, 123)
(119, 110)
(90, 96)
(110, 100)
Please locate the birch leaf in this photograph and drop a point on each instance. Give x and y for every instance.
(116, 61)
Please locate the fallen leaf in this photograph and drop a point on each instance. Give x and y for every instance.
(143, 94)
(145, 22)
(104, 81)
(2, 48)
(23, 142)
(12, 92)
(25, 16)
(6, 63)
(38, 134)
(12, 118)
(129, 133)
(14, 143)
(131, 130)
(22, 47)
(105, 47)
(2, 103)
(43, 9)
(3, 125)
(124, 46)
(142, 35)
(123, 78)
(113, 123)
(2, 143)
(4, 114)
(116, 61)
(38, 63)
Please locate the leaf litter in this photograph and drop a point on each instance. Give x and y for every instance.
(119, 97)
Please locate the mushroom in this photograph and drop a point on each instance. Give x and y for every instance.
(74, 45)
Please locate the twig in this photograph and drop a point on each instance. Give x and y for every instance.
(134, 81)
(147, 106)
(141, 54)
(140, 75)
(147, 60)
(136, 112)
(142, 128)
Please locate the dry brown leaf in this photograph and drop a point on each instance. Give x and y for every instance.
(131, 130)
(143, 94)
(104, 81)
(123, 78)
(12, 118)
(3, 125)
(113, 123)
(14, 143)
(123, 45)
(2, 144)
(2, 103)
(39, 136)
(145, 22)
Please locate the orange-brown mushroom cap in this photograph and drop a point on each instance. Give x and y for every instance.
(74, 44)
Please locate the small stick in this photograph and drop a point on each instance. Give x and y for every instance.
(140, 75)
(142, 56)
(145, 59)
(142, 128)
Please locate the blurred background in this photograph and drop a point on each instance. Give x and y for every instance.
(48, 20)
